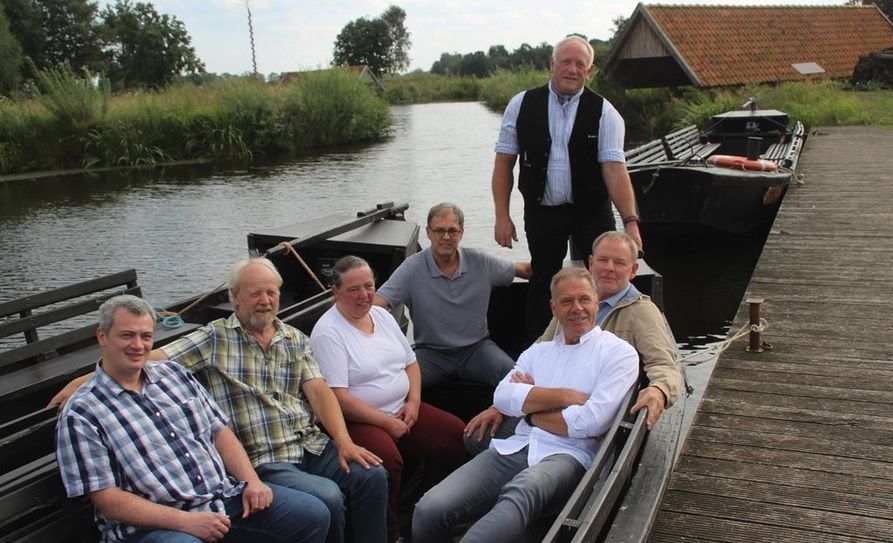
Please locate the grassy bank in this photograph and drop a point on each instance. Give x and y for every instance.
(74, 124)
(650, 113)
(421, 88)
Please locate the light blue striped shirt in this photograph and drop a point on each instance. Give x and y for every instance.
(562, 114)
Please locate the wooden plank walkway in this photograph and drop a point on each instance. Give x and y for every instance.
(796, 444)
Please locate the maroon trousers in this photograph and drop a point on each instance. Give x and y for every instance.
(435, 439)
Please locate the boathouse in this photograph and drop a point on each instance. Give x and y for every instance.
(716, 46)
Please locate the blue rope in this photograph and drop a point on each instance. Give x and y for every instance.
(168, 322)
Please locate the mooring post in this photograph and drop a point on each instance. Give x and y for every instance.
(755, 345)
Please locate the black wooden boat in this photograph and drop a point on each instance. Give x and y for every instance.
(729, 178)
(32, 506)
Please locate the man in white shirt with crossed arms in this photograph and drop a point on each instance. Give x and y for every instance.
(568, 393)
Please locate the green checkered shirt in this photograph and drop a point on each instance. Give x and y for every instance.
(260, 392)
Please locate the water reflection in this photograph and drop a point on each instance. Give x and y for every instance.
(181, 226)
(705, 277)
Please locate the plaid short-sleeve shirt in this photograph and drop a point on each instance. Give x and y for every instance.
(157, 444)
(260, 391)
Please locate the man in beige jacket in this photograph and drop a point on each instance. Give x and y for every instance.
(631, 316)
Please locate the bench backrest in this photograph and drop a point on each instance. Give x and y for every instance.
(61, 305)
(678, 143)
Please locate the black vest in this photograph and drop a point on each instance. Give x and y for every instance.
(534, 142)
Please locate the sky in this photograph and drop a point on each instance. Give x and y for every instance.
(293, 35)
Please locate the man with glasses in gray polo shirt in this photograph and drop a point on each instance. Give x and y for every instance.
(447, 291)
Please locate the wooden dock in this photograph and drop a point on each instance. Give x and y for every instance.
(796, 444)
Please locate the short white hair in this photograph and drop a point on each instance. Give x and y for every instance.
(578, 39)
(235, 274)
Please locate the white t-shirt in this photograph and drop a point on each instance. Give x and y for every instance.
(372, 367)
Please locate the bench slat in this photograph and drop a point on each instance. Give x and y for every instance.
(775, 152)
(55, 527)
(48, 345)
(12, 307)
(58, 315)
(36, 491)
(18, 448)
(63, 368)
(654, 151)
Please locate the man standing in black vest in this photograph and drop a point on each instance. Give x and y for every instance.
(572, 168)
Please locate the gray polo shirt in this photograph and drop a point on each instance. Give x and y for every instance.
(447, 312)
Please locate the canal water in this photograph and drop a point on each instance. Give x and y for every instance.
(181, 227)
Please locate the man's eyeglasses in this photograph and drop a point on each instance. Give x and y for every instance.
(451, 232)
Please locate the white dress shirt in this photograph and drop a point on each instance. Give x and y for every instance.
(601, 365)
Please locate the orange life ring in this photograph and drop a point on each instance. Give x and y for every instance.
(742, 163)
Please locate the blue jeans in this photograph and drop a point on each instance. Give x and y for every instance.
(366, 492)
(481, 362)
(293, 516)
(501, 493)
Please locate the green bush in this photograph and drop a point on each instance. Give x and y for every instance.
(497, 90)
(73, 124)
(332, 106)
(420, 87)
(73, 101)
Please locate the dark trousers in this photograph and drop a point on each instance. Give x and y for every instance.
(436, 438)
(548, 229)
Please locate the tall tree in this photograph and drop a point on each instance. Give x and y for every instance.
(70, 33)
(146, 49)
(26, 24)
(55, 32)
(447, 65)
(10, 57)
(475, 64)
(398, 52)
(499, 57)
(381, 43)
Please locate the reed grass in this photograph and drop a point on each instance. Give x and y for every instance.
(77, 125)
(420, 87)
(74, 124)
(497, 90)
(820, 103)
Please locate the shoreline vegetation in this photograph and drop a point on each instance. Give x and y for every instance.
(75, 125)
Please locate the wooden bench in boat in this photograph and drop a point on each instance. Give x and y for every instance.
(32, 371)
(683, 144)
(33, 505)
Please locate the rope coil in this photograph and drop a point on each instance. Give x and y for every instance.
(168, 319)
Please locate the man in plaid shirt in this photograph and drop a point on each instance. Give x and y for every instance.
(152, 451)
(262, 374)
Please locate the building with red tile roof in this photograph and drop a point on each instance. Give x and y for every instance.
(715, 46)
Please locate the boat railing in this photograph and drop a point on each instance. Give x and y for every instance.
(387, 210)
(592, 502)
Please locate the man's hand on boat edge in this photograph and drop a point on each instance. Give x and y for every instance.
(652, 398)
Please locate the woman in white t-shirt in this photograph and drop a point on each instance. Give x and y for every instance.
(372, 369)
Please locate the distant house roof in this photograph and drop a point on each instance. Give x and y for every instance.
(711, 46)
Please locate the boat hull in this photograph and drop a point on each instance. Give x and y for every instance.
(681, 199)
